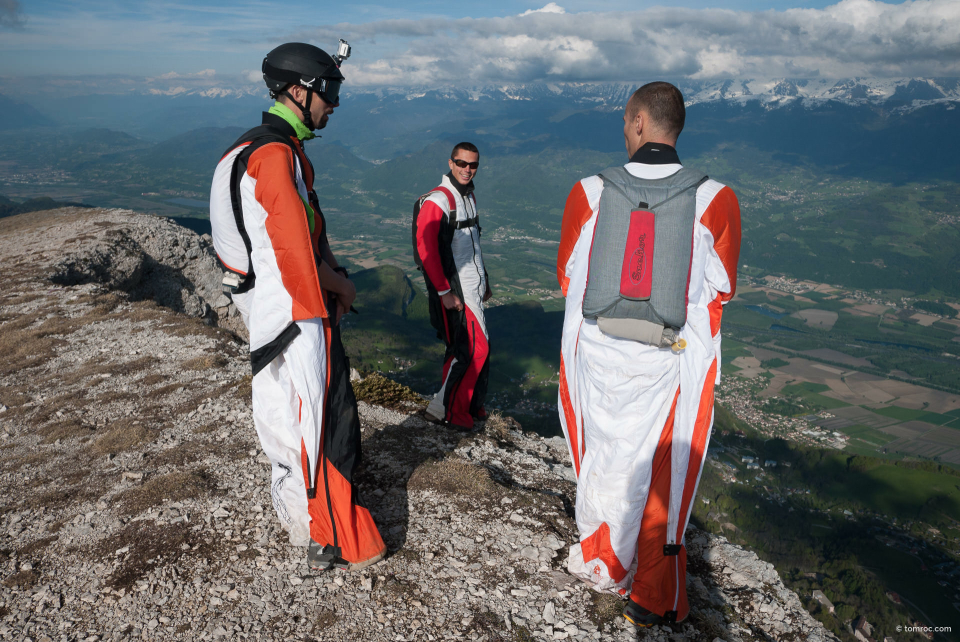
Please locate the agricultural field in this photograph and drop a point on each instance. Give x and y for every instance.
(839, 391)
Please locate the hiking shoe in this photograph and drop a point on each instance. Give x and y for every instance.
(320, 558)
(324, 558)
(350, 567)
(639, 616)
(434, 413)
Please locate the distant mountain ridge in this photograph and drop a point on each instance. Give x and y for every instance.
(907, 93)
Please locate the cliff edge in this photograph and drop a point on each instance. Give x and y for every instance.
(135, 498)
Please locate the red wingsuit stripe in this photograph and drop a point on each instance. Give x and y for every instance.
(462, 397)
(654, 582)
(571, 418)
(715, 308)
(576, 213)
(698, 447)
(597, 546)
(357, 534)
(722, 218)
(428, 246)
(273, 169)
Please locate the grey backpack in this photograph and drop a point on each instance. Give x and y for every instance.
(640, 255)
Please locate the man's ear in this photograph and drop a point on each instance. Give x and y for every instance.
(638, 123)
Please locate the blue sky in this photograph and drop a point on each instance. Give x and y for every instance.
(416, 43)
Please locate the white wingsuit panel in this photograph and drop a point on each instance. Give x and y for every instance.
(625, 387)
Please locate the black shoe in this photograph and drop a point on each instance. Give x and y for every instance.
(639, 616)
(322, 558)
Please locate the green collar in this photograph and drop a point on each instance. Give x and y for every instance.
(284, 112)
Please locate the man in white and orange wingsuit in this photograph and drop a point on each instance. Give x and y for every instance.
(270, 234)
(647, 259)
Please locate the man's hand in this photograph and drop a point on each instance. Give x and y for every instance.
(345, 298)
(342, 287)
(488, 293)
(347, 294)
(451, 301)
(341, 311)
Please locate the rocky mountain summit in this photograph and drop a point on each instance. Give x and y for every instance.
(135, 498)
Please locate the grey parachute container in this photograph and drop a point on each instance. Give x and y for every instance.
(640, 255)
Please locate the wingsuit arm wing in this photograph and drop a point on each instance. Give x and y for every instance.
(722, 218)
(272, 167)
(428, 231)
(576, 213)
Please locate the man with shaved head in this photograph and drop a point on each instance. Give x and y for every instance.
(647, 259)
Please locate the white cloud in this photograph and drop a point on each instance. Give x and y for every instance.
(552, 7)
(850, 38)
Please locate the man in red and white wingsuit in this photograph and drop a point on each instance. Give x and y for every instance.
(269, 231)
(638, 417)
(447, 235)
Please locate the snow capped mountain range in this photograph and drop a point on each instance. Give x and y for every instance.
(900, 93)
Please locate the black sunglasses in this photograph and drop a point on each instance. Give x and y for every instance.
(462, 163)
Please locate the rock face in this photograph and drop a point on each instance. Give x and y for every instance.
(146, 257)
(136, 498)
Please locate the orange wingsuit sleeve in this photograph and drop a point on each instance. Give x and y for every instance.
(576, 213)
(428, 245)
(271, 166)
(722, 218)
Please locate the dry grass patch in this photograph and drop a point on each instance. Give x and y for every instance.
(36, 546)
(67, 428)
(110, 396)
(89, 373)
(33, 460)
(146, 310)
(152, 380)
(604, 609)
(122, 436)
(73, 486)
(24, 346)
(22, 299)
(499, 425)
(186, 453)
(244, 389)
(13, 396)
(166, 390)
(48, 408)
(205, 362)
(454, 476)
(24, 580)
(324, 619)
(150, 546)
(378, 390)
(173, 487)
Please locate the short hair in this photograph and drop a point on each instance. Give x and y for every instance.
(467, 147)
(664, 104)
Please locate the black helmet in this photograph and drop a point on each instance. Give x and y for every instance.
(297, 63)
